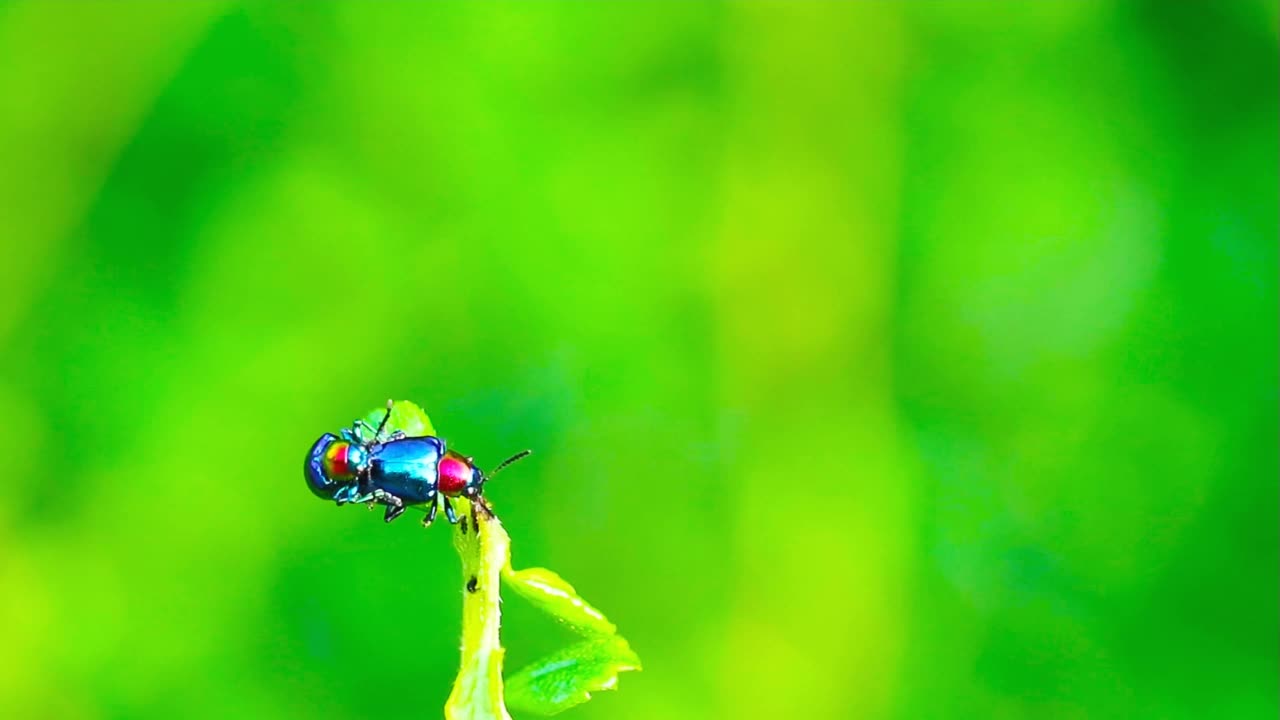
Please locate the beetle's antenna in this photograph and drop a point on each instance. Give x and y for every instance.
(518, 456)
(385, 417)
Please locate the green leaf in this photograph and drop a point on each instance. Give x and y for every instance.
(556, 597)
(568, 677)
(405, 416)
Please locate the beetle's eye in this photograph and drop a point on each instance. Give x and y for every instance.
(338, 459)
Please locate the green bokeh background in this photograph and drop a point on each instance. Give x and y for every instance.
(910, 361)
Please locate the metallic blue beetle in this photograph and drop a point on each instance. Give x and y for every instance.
(366, 466)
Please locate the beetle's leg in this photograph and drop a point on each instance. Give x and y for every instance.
(360, 430)
(395, 504)
(348, 494)
(475, 520)
(385, 417)
(356, 495)
(448, 511)
(352, 435)
(386, 498)
(431, 513)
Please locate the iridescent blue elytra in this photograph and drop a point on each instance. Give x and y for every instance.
(366, 466)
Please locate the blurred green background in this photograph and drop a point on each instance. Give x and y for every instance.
(880, 360)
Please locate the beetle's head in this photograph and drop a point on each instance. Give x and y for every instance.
(332, 464)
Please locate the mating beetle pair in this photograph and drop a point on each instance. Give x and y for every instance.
(365, 465)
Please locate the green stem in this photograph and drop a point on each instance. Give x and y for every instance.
(477, 693)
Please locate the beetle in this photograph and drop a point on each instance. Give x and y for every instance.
(366, 465)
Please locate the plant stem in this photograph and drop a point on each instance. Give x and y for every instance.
(477, 693)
